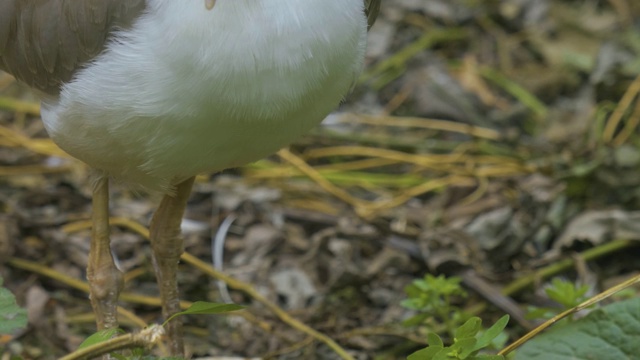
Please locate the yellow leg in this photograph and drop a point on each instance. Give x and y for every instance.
(167, 246)
(105, 280)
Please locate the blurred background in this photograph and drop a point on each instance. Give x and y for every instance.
(492, 140)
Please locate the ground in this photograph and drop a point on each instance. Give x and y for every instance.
(491, 140)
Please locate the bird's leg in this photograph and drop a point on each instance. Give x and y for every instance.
(105, 280)
(167, 246)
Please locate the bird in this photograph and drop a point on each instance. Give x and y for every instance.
(154, 92)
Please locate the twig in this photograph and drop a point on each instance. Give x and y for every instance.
(305, 168)
(624, 103)
(424, 123)
(144, 338)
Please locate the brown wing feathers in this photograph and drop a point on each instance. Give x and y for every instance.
(43, 42)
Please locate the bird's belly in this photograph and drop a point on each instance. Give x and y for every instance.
(153, 116)
(156, 152)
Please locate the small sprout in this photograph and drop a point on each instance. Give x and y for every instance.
(100, 336)
(208, 308)
(565, 293)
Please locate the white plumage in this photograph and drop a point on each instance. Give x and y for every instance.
(187, 91)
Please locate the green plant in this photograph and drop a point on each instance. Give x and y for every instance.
(565, 293)
(468, 340)
(432, 297)
(12, 316)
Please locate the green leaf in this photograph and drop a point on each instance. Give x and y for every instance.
(121, 357)
(489, 357)
(422, 285)
(100, 336)
(443, 354)
(469, 329)
(414, 303)
(541, 313)
(208, 308)
(434, 340)
(445, 285)
(416, 320)
(491, 333)
(426, 353)
(608, 333)
(12, 316)
(412, 291)
(566, 293)
(464, 347)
